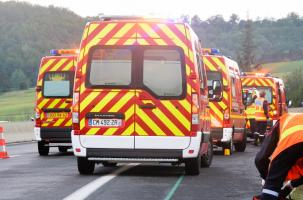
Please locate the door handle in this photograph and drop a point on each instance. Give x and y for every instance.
(147, 106)
(68, 101)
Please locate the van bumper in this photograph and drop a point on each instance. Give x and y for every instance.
(136, 154)
(53, 135)
(221, 135)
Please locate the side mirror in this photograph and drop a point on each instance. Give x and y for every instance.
(38, 89)
(289, 103)
(216, 90)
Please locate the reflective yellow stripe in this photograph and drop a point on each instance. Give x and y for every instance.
(104, 101)
(290, 131)
(140, 130)
(183, 120)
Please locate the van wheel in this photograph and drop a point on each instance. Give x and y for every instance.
(109, 164)
(42, 149)
(63, 149)
(192, 166)
(206, 159)
(85, 166)
(241, 146)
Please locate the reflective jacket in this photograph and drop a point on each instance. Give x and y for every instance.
(259, 112)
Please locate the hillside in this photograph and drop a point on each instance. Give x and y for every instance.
(281, 69)
(17, 105)
(27, 33)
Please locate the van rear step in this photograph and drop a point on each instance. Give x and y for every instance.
(135, 159)
(135, 153)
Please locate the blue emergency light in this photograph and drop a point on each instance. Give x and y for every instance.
(54, 52)
(214, 51)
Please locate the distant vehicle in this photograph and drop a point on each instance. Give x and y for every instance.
(274, 89)
(54, 90)
(226, 109)
(140, 95)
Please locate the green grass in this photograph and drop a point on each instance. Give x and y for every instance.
(17, 105)
(280, 69)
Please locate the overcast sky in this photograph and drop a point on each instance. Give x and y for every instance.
(175, 8)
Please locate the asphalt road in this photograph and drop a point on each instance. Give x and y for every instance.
(26, 175)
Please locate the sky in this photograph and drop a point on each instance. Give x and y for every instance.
(175, 8)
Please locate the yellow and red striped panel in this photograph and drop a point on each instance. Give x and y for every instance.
(217, 64)
(165, 119)
(51, 64)
(261, 82)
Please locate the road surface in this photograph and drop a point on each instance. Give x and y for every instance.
(26, 175)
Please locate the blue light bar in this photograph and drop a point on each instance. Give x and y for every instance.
(54, 52)
(215, 51)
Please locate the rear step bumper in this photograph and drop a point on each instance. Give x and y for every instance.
(134, 154)
(53, 135)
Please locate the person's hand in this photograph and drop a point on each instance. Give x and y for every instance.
(286, 185)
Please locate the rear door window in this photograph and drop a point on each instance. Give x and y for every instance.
(163, 72)
(57, 84)
(110, 67)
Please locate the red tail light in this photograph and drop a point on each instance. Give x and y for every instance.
(226, 119)
(37, 118)
(75, 114)
(195, 121)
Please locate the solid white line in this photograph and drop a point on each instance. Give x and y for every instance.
(91, 187)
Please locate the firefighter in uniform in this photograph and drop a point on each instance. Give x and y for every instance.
(250, 111)
(280, 159)
(261, 116)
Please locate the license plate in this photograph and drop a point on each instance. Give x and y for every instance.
(59, 115)
(105, 122)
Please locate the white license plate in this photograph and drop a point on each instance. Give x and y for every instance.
(105, 122)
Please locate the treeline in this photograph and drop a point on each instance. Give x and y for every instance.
(273, 39)
(28, 32)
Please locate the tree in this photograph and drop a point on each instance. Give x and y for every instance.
(247, 56)
(19, 80)
(294, 87)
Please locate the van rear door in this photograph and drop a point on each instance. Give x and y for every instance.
(163, 109)
(108, 100)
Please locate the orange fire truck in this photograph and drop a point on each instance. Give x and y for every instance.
(54, 92)
(226, 109)
(274, 89)
(140, 95)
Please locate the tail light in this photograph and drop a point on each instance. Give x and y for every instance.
(195, 121)
(37, 119)
(226, 119)
(75, 114)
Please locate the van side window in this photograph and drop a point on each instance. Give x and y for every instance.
(233, 87)
(162, 72)
(110, 67)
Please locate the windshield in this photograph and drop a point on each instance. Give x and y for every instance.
(57, 84)
(267, 90)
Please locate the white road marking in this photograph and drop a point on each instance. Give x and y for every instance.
(91, 187)
(12, 156)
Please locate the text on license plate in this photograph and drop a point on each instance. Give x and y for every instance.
(57, 115)
(105, 122)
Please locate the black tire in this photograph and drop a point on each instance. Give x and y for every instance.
(109, 164)
(193, 165)
(241, 146)
(256, 139)
(42, 149)
(63, 149)
(85, 166)
(206, 159)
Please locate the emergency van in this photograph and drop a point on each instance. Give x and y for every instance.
(226, 109)
(54, 91)
(140, 95)
(274, 89)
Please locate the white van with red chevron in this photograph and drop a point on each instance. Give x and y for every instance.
(140, 95)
